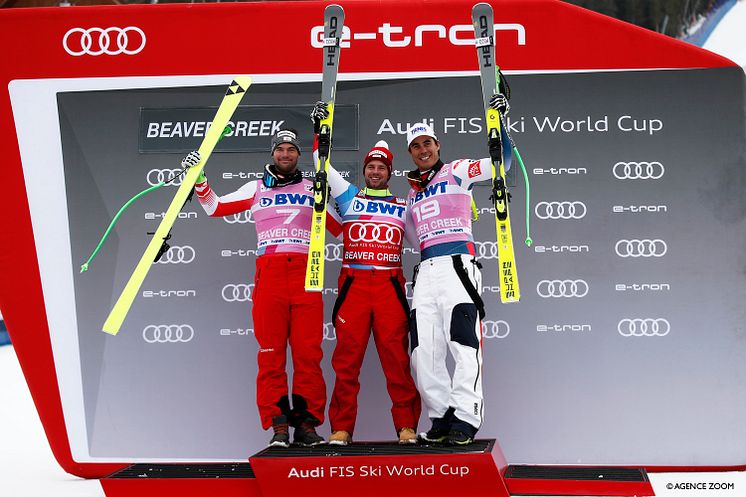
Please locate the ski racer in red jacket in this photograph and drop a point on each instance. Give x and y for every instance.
(283, 312)
(371, 295)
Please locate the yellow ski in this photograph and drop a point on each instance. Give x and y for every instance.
(333, 23)
(233, 96)
(482, 18)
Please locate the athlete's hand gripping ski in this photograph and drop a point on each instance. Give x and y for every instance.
(333, 26)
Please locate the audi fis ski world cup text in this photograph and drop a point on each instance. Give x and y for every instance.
(517, 124)
(378, 471)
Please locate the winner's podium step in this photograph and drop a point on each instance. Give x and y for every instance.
(382, 468)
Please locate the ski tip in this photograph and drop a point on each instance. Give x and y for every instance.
(480, 6)
(110, 332)
(239, 84)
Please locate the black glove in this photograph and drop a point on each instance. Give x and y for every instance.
(318, 113)
(499, 102)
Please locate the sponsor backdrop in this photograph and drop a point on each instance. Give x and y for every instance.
(631, 315)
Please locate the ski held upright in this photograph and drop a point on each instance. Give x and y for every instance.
(484, 34)
(333, 24)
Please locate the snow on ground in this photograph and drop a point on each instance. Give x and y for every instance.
(729, 36)
(28, 469)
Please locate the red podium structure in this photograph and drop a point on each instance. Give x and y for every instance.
(64, 356)
(372, 470)
(375, 469)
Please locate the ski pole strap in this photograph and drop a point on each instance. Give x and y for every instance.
(400, 294)
(458, 266)
(529, 241)
(84, 267)
(341, 298)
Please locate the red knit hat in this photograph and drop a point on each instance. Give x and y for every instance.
(380, 152)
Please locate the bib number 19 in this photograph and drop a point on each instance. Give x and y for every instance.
(426, 210)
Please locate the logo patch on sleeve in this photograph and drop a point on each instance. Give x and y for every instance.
(474, 170)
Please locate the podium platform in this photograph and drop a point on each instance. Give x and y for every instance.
(375, 469)
(382, 468)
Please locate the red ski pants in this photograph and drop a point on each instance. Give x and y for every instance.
(285, 313)
(372, 299)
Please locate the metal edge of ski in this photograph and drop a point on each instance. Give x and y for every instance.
(233, 96)
(333, 25)
(484, 34)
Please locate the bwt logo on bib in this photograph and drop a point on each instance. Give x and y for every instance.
(286, 199)
(431, 190)
(377, 208)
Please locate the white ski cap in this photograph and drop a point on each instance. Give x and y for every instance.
(417, 130)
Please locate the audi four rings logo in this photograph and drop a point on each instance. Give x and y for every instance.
(647, 327)
(641, 248)
(562, 288)
(237, 293)
(368, 232)
(333, 251)
(168, 333)
(157, 176)
(560, 210)
(178, 255)
(486, 250)
(240, 218)
(329, 332)
(638, 170)
(495, 329)
(104, 41)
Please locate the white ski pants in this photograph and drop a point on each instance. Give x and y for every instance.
(445, 319)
